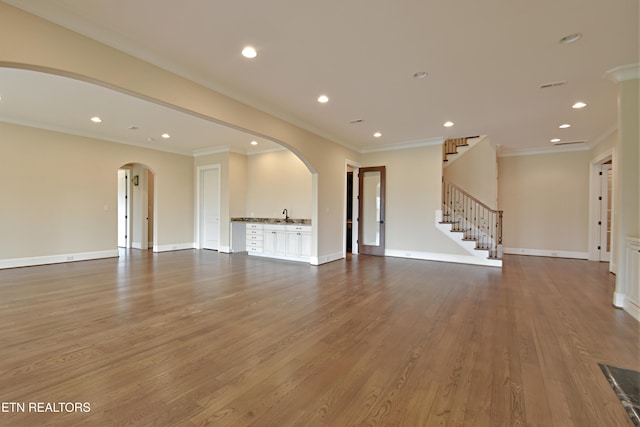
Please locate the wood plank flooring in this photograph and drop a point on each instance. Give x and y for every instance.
(199, 338)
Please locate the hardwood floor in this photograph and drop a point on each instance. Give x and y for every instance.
(201, 338)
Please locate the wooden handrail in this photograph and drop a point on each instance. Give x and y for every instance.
(444, 181)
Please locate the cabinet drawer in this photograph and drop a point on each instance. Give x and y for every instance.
(258, 237)
(254, 250)
(251, 226)
(300, 228)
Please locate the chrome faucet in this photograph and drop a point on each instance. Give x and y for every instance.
(286, 214)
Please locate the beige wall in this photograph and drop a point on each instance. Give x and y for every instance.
(413, 194)
(237, 185)
(476, 172)
(545, 198)
(59, 193)
(277, 180)
(48, 47)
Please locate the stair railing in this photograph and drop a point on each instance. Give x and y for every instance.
(470, 216)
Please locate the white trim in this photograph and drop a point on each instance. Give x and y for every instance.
(198, 198)
(618, 299)
(174, 247)
(552, 253)
(213, 150)
(595, 166)
(225, 249)
(433, 256)
(57, 259)
(326, 258)
(404, 145)
(549, 150)
(632, 308)
(355, 206)
(623, 73)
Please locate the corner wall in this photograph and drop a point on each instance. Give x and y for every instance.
(545, 199)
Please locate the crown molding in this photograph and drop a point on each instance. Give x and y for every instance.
(546, 150)
(404, 145)
(623, 73)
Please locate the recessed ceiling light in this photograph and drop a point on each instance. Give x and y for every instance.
(555, 140)
(570, 38)
(564, 126)
(323, 99)
(249, 52)
(420, 75)
(96, 119)
(448, 124)
(579, 105)
(377, 135)
(254, 142)
(165, 136)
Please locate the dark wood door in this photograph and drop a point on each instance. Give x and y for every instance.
(371, 210)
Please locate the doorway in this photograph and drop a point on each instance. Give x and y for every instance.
(371, 221)
(209, 207)
(136, 201)
(601, 195)
(351, 209)
(605, 208)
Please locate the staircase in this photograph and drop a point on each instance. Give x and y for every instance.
(476, 222)
(455, 146)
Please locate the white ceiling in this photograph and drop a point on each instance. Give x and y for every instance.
(486, 61)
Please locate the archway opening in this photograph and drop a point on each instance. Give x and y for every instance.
(136, 211)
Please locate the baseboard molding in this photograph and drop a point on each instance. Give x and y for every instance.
(326, 258)
(434, 256)
(174, 247)
(618, 299)
(546, 253)
(56, 259)
(225, 249)
(632, 308)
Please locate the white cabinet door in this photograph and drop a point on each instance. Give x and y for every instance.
(305, 245)
(299, 241)
(293, 243)
(275, 242)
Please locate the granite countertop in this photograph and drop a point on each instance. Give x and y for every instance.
(296, 221)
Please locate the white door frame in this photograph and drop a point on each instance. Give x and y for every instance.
(595, 206)
(124, 225)
(354, 226)
(200, 205)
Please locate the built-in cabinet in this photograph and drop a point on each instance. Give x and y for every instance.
(290, 241)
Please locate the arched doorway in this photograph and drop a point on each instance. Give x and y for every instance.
(136, 201)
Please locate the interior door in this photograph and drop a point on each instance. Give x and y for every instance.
(123, 208)
(605, 222)
(371, 210)
(210, 237)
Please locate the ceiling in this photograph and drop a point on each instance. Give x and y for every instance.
(485, 62)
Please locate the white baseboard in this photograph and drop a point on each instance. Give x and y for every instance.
(632, 308)
(434, 256)
(326, 258)
(546, 253)
(618, 299)
(136, 245)
(174, 247)
(56, 259)
(225, 249)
